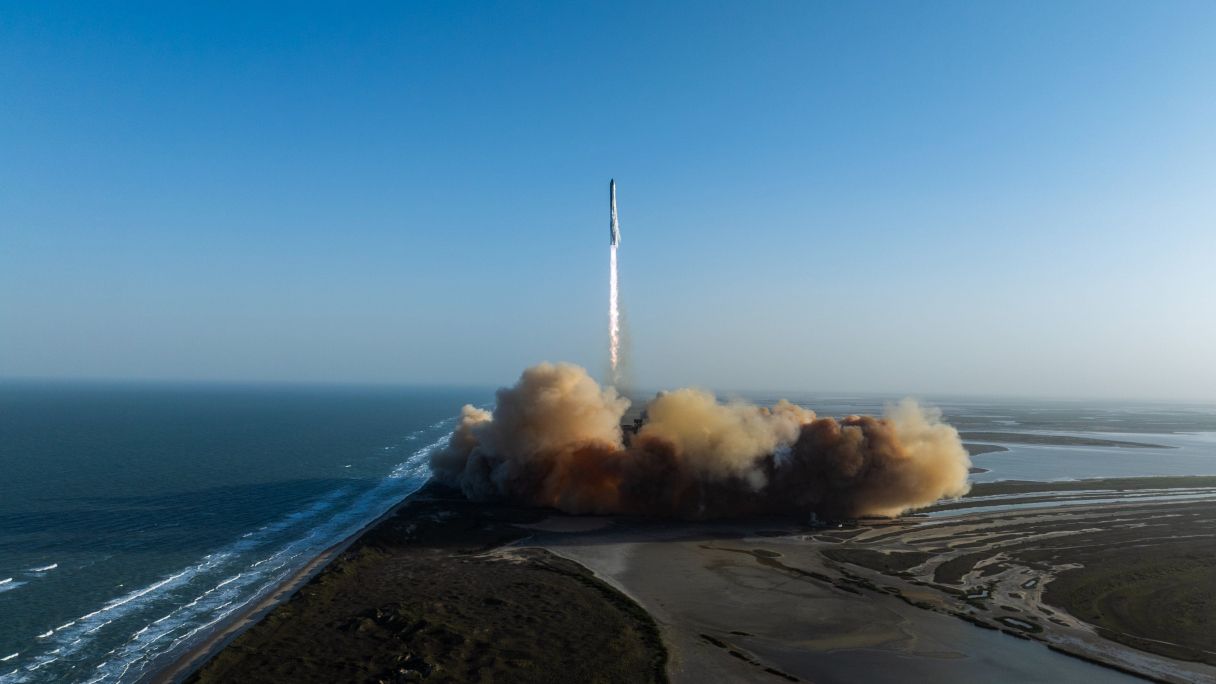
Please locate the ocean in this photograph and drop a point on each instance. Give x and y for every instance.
(134, 518)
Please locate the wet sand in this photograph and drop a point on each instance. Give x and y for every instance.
(940, 597)
(745, 602)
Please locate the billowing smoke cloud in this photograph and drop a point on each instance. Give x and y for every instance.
(555, 439)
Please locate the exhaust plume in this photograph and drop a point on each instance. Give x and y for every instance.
(614, 320)
(615, 375)
(554, 439)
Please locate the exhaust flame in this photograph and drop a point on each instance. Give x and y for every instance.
(555, 439)
(614, 321)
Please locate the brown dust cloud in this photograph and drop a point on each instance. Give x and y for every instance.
(554, 439)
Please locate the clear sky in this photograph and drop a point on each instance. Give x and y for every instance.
(972, 197)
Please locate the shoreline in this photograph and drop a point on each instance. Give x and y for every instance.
(179, 668)
(310, 634)
(437, 589)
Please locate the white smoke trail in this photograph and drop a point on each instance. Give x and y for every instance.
(614, 319)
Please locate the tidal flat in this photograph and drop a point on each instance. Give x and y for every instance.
(446, 590)
(933, 599)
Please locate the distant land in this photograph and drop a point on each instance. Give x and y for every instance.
(1052, 440)
(977, 449)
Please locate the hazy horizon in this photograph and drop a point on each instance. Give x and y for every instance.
(950, 200)
(636, 394)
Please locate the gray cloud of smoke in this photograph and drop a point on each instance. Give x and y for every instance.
(554, 439)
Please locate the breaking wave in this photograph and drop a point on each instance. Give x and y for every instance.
(177, 610)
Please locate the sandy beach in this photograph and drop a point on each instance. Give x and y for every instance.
(177, 668)
(437, 592)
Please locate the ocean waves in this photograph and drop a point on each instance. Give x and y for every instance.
(10, 583)
(134, 632)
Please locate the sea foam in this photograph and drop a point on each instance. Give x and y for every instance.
(231, 581)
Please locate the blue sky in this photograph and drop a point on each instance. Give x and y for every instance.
(988, 198)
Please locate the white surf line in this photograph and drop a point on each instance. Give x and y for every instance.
(415, 465)
(52, 566)
(230, 580)
(71, 641)
(287, 521)
(342, 525)
(40, 665)
(419, 461)
(138, 652)
(209, 592)
(122, 601)
(94, 629)
(141, 654)
(121, 606)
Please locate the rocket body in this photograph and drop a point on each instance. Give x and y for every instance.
(614, 235)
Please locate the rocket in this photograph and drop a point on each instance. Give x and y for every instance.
(614, 234)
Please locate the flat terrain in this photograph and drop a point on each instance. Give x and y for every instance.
(1098, 580)
(1158, 597)
(1055, 440)
(1079, 592)
(978, 449)
(431, 594)
(1138, 573)
(1105, 483)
